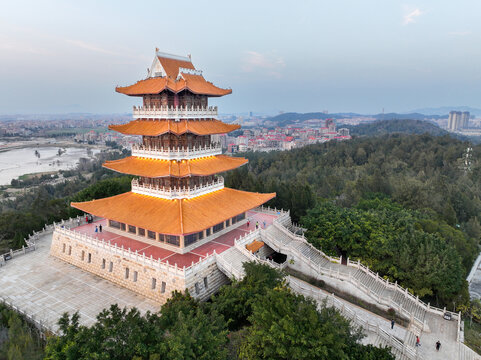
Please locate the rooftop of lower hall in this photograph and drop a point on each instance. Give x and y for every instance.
(165, 256)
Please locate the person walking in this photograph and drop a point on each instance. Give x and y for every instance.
(248, 223)
(257, 225)
(418, 342)
(86, 219)
(78, 221)
(96, 229)
(264, 224)
(392, 324)
(100, 227)
(438, 345)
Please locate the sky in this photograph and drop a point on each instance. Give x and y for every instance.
(300, 56)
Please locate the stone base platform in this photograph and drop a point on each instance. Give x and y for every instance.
(44, 288)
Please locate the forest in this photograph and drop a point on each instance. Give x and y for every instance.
(406, 205)
(44, 204)
(255, 318)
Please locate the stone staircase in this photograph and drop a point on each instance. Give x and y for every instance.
(230, 262)
(466, 353)
(316, 264)
(383, 292)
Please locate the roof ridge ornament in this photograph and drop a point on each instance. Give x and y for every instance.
(188, 71)
(171, 56)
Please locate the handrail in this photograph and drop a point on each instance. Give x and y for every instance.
(177, 193)
(150, 261)
(393, 286)
(317, 294)
(179, 153)
(177, 112)
(317, 267)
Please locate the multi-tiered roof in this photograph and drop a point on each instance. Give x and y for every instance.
(177, 199)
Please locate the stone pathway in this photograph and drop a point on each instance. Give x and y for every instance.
(45, 288)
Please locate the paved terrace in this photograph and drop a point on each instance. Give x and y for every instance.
(44, 287)
(219, 244)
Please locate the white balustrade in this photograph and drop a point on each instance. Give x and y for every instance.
(318, 268)
(177, 113)
(135, 256)
(177, 193)
(175, 153)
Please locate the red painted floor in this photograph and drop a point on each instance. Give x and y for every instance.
(218, 244)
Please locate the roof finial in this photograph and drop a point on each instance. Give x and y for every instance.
(156, 49)
(189, 56)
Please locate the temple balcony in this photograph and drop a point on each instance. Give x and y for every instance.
(177, 193)
(176, 153)
(177, 113)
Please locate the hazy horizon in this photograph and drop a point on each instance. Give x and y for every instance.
(67, 57)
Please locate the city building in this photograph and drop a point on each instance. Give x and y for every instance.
(458, 120)
(160, 236)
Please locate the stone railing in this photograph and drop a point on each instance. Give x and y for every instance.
(31, 240)
(139, 258)
(283, 216)
(177, 193)
(316, 294)
(334, 272)
(177, 113)
(227, 268)
(175, 153)
(43, 327)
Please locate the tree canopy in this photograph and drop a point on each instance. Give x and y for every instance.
(266, 321)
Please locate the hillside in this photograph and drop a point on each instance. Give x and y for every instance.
(383, 127)
(392, 201)
(292, 117)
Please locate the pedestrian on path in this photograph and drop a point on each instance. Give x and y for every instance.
(248, 223)
(100, 228)
(418, 342)
(392, 324)
(78, 221)
(438, 345)
(264, 223)
(257, 225)
(86, 219)
(96, 229)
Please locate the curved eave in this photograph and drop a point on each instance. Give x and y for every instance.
(160, 127)
(175, 217)
(154, 86)
(153, 168)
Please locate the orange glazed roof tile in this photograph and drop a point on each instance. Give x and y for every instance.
(171, 66)
(138, 166)
(254, 246)
(175, 217)
(159, 127)
(194, 83)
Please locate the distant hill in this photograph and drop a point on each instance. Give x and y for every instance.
(292, 117)
(383, 127)
(444, 110)
(411, 116)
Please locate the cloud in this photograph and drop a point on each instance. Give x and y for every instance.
(411, 16)
(459, 33)
(269, 64)
(91, 47)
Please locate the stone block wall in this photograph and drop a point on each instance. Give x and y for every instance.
(206, 281)
(265, 251)
(153, 283)
(150, 282)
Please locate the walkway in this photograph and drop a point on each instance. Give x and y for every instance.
(424, 320)
(44, 288)
(219, 244)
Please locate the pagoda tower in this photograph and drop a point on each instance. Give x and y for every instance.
(178, 201)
